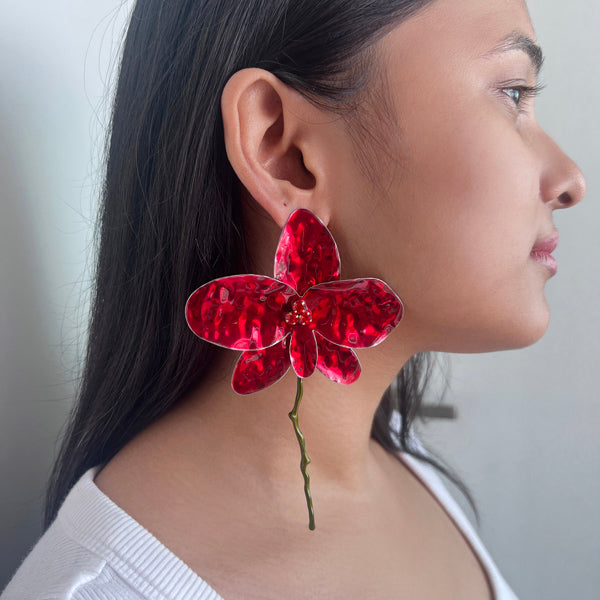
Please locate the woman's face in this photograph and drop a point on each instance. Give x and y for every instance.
(473, 183)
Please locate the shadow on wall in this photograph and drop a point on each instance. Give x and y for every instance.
(32, 403)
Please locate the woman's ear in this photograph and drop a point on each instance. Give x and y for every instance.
(272, 141)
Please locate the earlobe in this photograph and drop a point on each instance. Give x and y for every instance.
(267, 140)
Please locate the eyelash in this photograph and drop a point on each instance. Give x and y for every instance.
(526, 92)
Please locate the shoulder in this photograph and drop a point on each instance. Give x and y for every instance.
(94, 550)
(60, 568)
(75, 558)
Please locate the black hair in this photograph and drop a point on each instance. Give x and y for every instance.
(170, 216)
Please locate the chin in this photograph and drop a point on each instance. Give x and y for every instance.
(535, 330)
(521, 333)
(511, 334)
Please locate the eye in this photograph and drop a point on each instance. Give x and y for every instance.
(520, 93)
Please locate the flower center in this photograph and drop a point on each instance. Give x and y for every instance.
(299, 315)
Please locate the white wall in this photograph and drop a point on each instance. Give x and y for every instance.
(54, 58)
(525, 440)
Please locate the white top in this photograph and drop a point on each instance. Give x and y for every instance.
(94, 550)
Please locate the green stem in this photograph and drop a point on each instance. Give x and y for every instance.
(305, 460)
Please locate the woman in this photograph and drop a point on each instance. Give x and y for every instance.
(408, 128)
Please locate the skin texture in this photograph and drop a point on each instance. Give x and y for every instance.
(465, 187)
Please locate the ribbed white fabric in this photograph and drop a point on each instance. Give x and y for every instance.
(96, 551)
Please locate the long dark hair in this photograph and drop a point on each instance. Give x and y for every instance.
(170, 217)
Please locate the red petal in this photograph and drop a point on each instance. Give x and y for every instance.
(356, 313)
(306, 253)
(336, 362)
(256, 370)
(243, 312)
(303, 351)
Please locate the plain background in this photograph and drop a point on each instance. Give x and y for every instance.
(525, 440)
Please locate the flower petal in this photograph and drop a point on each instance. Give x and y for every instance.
(336, 362)
(306, 253)
(303, 351)
(258, 369)
(243, 312)
(356, 313)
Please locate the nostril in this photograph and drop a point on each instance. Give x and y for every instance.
(565, 198)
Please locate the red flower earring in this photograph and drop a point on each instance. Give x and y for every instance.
(305, 317)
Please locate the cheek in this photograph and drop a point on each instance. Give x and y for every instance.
(478, 195)
(465, 213)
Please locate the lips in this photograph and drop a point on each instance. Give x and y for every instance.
(546, 245)
(541, 252)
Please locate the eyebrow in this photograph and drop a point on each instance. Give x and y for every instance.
(518, 41)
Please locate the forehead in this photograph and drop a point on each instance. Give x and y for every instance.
(455, 30)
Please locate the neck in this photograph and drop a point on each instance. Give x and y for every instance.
(253, 436)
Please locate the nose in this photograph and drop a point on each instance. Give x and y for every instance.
(563, 184)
